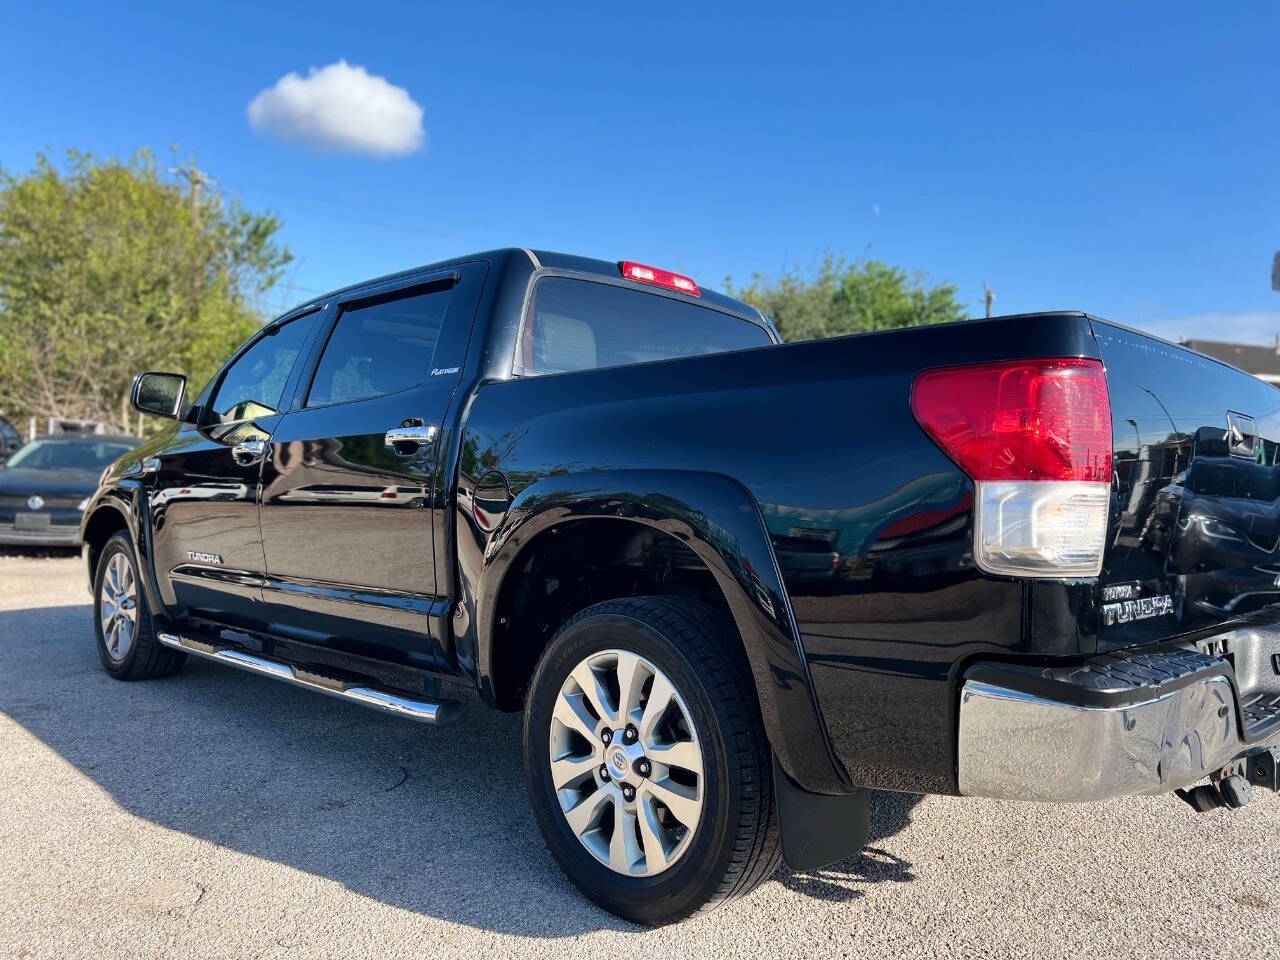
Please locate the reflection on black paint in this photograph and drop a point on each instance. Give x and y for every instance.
(1191, 519)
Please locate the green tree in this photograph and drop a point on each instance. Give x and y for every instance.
(106, 268)
(843, 297)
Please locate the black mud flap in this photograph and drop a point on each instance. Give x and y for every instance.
(818, 829)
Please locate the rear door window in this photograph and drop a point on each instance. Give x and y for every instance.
(379, 347)
(581, 325)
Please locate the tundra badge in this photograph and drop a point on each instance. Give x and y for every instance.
(1124, 603)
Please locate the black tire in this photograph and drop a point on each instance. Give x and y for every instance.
(735, 846)
(145, 658)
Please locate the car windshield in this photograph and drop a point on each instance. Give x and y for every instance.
(86, 455)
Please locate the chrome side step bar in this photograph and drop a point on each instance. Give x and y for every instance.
(423, 711)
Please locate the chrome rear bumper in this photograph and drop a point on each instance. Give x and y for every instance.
(1115, 726)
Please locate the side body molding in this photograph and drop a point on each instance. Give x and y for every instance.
(719, 521)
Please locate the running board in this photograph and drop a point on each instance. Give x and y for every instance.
(423, 711)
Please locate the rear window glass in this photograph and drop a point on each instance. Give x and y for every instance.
(581, 325)
(1233, 478)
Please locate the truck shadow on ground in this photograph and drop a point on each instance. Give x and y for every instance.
(847, 879)
(429, 820)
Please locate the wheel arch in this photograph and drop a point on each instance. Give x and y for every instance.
(120, 509)
(717, 521)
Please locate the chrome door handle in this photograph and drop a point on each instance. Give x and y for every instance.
(248, 452)
(405, 441)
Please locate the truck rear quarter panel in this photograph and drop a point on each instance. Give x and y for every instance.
(868, 520)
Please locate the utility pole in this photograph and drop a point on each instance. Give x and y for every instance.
(1275, 285)
(988, 295)
(196, 178)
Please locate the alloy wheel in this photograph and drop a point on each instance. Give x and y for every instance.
(626, 763)
(118, 607)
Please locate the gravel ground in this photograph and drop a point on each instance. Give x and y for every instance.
(217, 814)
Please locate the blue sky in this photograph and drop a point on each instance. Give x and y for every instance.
(1120, 158)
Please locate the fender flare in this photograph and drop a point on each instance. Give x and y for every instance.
(717, 518)
(128, 499)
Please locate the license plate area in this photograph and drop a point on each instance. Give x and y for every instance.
(32, 521)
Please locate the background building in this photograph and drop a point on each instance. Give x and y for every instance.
(1262, 362)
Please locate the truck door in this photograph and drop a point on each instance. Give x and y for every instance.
(347, 491)
(207, 546)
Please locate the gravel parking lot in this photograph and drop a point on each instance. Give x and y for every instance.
(216, 814)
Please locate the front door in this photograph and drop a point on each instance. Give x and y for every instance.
(346, 502)
(206, 542)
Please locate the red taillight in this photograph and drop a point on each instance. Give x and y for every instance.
(1020, 420)
(659, 278)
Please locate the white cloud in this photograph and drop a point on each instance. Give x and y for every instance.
(1255, 326)
(340, 107)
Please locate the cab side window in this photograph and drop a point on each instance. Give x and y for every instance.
(254, 384)
(380, 346)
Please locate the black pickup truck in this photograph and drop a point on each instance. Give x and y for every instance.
(733, 584)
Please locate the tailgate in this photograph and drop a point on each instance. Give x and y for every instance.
(1196, 513)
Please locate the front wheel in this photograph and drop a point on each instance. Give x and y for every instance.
(646, 759)
(125, 628)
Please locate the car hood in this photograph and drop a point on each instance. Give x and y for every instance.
(47, 483)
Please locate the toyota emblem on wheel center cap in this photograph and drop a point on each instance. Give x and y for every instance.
(618, 760)
(35, 503)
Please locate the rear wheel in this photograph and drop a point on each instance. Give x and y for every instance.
(646, 760)
(125, 628)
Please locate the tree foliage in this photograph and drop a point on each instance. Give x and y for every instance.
(849, 297)
(106, 268)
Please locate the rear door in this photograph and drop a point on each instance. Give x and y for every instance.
(347, 491)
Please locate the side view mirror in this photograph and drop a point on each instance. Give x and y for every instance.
(159, 394)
